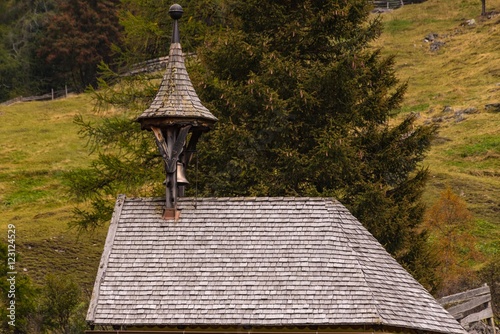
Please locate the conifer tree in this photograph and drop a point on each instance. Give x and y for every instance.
(304, 104)
(21, 25)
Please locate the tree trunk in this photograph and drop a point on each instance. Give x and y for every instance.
(483, 9)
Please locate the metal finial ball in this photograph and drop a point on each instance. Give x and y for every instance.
(175, 11)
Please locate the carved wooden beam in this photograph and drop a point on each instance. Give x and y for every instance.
(171, 154)
(177, 148)
(161, 143)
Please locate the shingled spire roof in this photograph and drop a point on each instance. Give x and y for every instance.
(177, 119)
(176, 100)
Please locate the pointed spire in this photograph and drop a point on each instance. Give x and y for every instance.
(177, 119)
(176, 100)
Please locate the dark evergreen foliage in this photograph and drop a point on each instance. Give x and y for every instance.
(147, 26)
(21, 25)
(50, 44)
(304, 105)
(490, 274)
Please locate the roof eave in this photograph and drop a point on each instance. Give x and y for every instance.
(204, 124)
(274, 329)
(104, 258)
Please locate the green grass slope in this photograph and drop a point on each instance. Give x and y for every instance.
(39, 140)
(38, 143)
(450, 87)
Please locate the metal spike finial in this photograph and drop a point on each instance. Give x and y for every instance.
(175, 12)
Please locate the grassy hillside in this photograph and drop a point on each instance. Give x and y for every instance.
(464, 73)
(39, 140)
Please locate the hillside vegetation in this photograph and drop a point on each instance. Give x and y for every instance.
(451, 87)
(40, 141)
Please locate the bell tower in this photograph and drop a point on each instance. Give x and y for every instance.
(177, 119)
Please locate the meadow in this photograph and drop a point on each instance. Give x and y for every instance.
(451, 87)
(39, 143)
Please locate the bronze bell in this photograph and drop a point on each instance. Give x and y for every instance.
(181, 175)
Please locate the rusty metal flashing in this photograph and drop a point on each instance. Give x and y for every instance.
(171, 214)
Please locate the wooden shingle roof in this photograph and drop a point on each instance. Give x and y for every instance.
(254, 261)
(176, 98)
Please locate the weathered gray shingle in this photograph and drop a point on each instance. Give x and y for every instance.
(176, 97)
(257, 261)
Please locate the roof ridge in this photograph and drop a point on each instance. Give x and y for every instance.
(240, 198)
(331, 209)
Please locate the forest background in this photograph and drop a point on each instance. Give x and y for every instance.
(445, 101)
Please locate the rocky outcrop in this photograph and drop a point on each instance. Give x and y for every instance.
(492, 107)
(450, 114)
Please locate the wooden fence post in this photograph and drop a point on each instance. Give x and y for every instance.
(470, 306)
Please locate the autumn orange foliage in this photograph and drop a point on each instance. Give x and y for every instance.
(450, 224)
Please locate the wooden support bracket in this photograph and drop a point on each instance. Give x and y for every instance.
(171, 154)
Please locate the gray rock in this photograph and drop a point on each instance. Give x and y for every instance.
(430, 37)
(447, 109)
(493, 107)
(459, 117)
(470, 110)
(436, 45)
(469, 23)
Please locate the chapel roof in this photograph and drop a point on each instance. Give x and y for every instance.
(254, 261)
